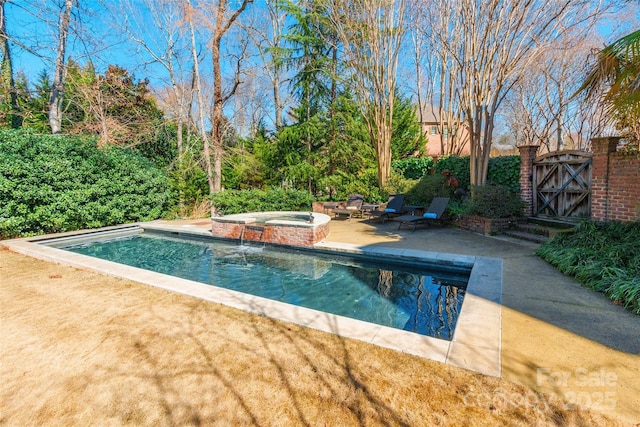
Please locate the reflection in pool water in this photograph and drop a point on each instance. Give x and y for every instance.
(400, 295)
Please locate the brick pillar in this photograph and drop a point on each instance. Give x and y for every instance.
(601, 148)
(527, 155)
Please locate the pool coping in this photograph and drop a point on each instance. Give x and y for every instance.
(476, 344)
(252, 217)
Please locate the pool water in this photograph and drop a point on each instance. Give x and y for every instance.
(416, 298)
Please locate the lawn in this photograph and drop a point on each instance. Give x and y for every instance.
(81, 348)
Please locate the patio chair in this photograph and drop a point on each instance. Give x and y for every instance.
(394, 208)
(353, 207)
(433, 213)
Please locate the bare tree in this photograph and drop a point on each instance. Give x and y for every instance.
(267, 36)
(489, 44)
(221, 20)
(53, 32)
(197, 79)
(222, 25)
(166, 46)
(57, 89)
(370, 32)
(418, 42)
(441, 101)
(251, 103)
(540, 108)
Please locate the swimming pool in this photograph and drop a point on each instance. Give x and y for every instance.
(476, 344)
(416, 297)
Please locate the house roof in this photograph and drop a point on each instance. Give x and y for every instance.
(429, 114)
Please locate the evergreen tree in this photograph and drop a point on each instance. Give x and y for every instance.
(406, 137)
(35, 105)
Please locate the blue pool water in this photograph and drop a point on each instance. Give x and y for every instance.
(415, 298)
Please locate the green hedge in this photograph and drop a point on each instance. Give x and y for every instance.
(52, 183)
(414, 167)
(503, 170)
(426, 189)
(604, 256)
(238, 201)
(495, 201)
(458, 166)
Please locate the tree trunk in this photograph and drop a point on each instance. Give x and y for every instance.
(218, 99)
(276, 98)
(217, 102)
(384, 160)
(371, 37)
(332, 113)
(559, 130)
(220, 29)
(57, 89)
(383, 145)
(201, 106)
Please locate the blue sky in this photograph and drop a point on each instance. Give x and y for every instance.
(115, 49)
(22, 24)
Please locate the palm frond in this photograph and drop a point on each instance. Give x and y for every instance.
(618, 67)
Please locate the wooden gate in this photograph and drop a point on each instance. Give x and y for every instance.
(562, 185)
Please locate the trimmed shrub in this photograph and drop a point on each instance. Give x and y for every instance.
(426, 189)
(495, 201)
(52, 183)
(277, 199)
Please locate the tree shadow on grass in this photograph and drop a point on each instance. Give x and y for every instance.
(219, 366)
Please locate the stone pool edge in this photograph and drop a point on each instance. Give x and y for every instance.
(476, 344)
(477, 340)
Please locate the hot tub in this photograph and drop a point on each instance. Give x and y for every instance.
(281, 228)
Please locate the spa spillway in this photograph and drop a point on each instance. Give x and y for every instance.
(281, 228)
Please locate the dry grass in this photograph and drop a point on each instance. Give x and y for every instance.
(80, 348)
(200, 209)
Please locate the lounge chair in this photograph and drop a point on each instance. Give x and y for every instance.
(353, 207)
(433, 213)
(394, 208)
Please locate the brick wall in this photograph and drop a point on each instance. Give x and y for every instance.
(615, 181)
(290, 235)
(527, 155)
(487, 226)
